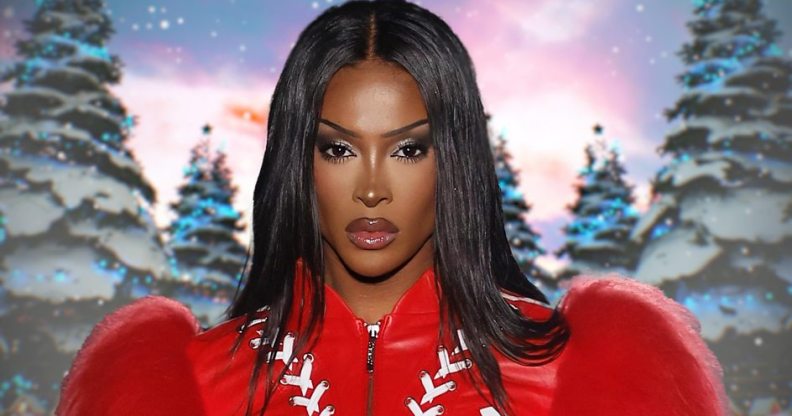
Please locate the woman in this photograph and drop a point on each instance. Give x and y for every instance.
(382, 282)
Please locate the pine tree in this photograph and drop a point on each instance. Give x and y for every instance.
(78, 238)
(76, 192)
(208, 257)
(524, 241)
(718, 234)
(597, 239)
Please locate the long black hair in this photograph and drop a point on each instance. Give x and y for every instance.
(472, 257)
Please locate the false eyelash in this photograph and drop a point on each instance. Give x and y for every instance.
(403, 144)
(333, 159)
(415, 144)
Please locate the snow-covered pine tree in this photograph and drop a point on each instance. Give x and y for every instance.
(524, 241)
(718, 234)
(597, 239)
(208, 256)
(71, 189)
(78, 235)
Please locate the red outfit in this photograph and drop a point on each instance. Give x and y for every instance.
(631, 351)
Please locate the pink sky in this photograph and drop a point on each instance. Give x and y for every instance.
(541, 79)
(543, 105)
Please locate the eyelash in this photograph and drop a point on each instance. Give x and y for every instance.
(403, 145)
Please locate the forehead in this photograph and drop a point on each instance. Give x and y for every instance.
(372, 97)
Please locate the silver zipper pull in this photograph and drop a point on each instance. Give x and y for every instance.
(373, 330)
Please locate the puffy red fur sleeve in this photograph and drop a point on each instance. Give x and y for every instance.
(135, 363)
(633, 351)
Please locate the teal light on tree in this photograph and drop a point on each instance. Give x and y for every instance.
(597, 239)
(206, 254)
(718, 231)
(715, 53)
(69, 175)
(524, 241)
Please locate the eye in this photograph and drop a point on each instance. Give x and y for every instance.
(411, 151)
(335, 152)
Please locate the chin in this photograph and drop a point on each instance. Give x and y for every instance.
(372, 264)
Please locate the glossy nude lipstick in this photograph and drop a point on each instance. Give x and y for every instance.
(371, 233)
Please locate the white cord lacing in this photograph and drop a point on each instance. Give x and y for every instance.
(302, 380)
(433, 391)
(305, 383)
(311, 395)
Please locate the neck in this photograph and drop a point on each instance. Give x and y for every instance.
(371, 298)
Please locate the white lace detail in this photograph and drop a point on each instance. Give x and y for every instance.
(310, 396)
(447, 366)
(255, 343)
(257, 321)
(286, 351)
(523, 299)
(432, 391)
(416, 409)
(304, 382)
(489, 411)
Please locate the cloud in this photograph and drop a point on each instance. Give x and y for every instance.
(546, 133)
(551, 21)
(171, 112)
(559, 21)
(545, 83)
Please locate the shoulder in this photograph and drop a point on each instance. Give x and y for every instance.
(633, 351)
(134, 362)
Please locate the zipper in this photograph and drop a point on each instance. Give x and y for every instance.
(373, 331)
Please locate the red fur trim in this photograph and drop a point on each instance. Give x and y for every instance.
(633, 351)
(134, 363)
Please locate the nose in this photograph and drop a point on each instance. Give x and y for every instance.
(372, 185)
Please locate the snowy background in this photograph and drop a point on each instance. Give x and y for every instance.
(548, 71)
(145, 187)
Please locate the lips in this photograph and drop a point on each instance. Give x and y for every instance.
(371, 233)
(371, 225)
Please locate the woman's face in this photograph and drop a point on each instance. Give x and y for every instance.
(374, 159)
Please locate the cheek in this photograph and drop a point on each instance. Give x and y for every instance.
(330, 188)
(417, 190)
(326, 180)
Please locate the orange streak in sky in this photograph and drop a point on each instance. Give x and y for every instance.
(248, 114)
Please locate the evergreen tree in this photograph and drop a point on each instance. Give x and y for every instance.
(597, 239)
(718, 234)
(208, 256)
(524, 241)
(78, 238)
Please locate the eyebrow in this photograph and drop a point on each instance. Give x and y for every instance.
(384, 135)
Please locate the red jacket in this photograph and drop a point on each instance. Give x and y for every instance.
(631, 351)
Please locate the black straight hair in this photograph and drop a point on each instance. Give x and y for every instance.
(472, 256)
